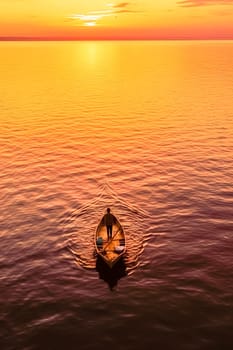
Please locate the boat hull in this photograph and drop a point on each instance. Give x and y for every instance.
(111, 250)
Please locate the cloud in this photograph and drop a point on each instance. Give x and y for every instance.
(197, 3)
(121, 4)
(92, 17)
(122, 7)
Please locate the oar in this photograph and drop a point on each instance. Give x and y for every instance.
(111, 239)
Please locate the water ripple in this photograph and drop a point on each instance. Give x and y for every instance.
(133, 220)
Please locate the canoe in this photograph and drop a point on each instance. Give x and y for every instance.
(110, 250)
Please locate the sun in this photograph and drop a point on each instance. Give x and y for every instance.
(90, 24)
(89, 20)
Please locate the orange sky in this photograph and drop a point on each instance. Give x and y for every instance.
(99, 19)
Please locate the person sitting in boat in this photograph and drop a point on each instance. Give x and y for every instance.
(108, 220)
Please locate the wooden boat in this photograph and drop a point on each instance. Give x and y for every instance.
(110, 250)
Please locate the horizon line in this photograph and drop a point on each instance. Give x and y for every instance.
(23, 38)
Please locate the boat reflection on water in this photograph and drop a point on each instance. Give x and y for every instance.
(111, 275)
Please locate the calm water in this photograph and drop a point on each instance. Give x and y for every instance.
(143, 127)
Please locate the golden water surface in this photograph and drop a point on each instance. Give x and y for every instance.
(147, 129)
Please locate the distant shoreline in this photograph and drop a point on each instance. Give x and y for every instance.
(4, 39)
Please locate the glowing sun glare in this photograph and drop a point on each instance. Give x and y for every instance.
(90, 24)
